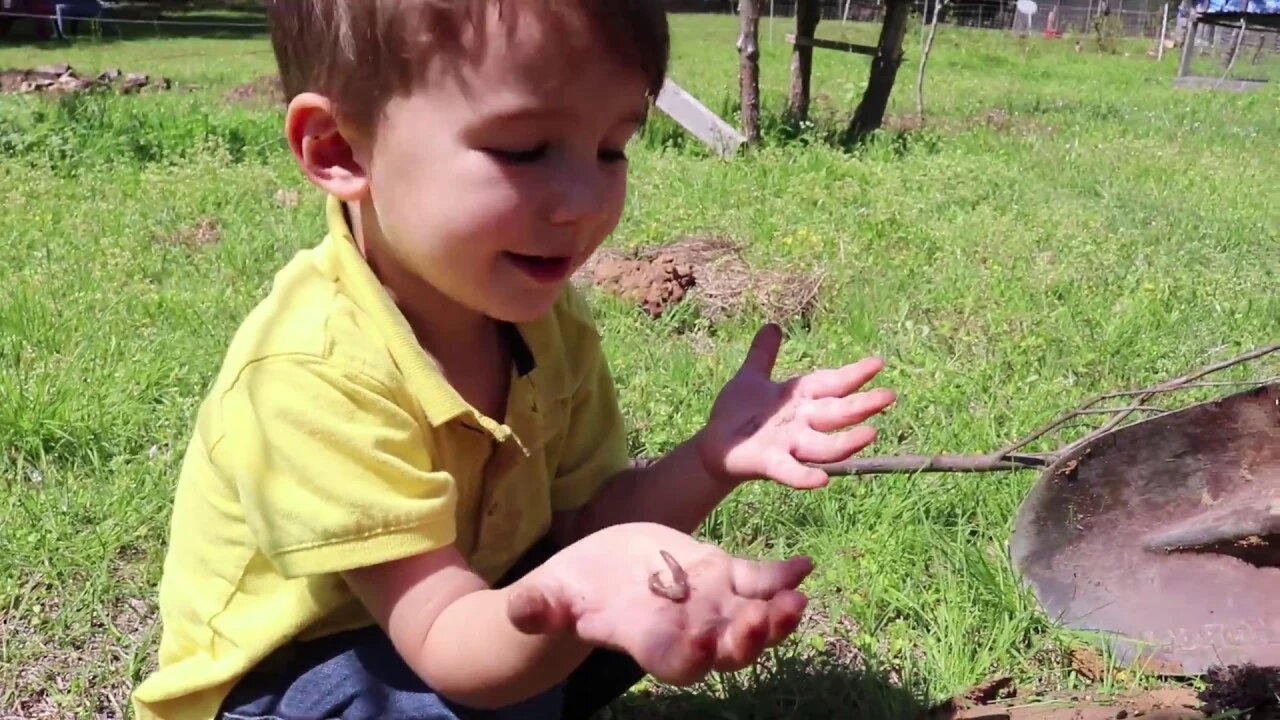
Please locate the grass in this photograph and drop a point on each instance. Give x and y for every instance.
(1064, 223)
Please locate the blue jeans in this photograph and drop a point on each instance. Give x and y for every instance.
(358, 675)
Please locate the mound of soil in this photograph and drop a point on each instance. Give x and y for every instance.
(62, 79)
(708, 271)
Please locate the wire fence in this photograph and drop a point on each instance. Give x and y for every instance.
(989, 14)
(65, 20)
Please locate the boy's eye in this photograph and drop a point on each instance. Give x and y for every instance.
(519, 156)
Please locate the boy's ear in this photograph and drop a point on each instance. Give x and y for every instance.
(323, 152)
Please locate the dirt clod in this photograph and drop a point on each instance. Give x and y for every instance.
(708, 271)
(991, 690)
(1252, 690)
(1088, 663)
(976, 702)
(62, 79)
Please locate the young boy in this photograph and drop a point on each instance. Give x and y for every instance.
(407, 494)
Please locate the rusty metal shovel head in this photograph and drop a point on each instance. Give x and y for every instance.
(1164, 536)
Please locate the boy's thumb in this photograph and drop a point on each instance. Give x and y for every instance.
(763, 352)
(537, 610)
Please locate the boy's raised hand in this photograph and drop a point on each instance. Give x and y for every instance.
(760, 428)
(608, 589)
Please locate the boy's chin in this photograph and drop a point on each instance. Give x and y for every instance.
(525, 307)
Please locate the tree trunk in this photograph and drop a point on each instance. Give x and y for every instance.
(749, 69)
(884, 70)
(808, 12)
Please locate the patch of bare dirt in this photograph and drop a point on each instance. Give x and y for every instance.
(999, 700)
(997, 119)
(287, 198)
(263, 90)
(707, 271)
(63, 79)
(903, 123)
(48, 680)
(193, 237)
(1248, 692)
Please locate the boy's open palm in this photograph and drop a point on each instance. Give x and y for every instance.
(608, 589)
(760, 428)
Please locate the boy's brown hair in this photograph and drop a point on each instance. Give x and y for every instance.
(360, 53)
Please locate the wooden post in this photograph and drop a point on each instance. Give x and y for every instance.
(808, 13)
(1262, 43)
(749, 68)
(1164, 25)
(884, 70)
(1188, 45)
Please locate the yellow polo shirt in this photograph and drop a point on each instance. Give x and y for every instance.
(330, 440)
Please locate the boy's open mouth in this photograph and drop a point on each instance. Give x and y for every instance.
(542, 269)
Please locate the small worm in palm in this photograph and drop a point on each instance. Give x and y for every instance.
(678, 589)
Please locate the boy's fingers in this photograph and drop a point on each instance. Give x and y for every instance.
(838, 382)
(785, 611)
(763, 353)
(762, 580)
(818, 447)
(690, 657)
(828, 414)
(789, 471)
(745, 638)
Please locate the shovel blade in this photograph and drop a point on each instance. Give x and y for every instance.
(1164, 537)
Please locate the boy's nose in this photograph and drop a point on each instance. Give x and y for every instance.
(580, 193)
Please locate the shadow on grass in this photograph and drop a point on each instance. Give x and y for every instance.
(797, 687)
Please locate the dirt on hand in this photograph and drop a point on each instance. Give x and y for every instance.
(63, 79)
(708, 271)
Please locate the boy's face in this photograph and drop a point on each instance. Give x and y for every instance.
(498, 178)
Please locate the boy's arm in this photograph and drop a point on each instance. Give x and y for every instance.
(676, 491)
(758, 428)
(456, 634)
(469, 643)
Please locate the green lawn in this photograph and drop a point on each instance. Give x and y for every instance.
(1065, 224)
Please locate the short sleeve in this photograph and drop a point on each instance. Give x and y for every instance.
(332, 473)
(595, 442)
